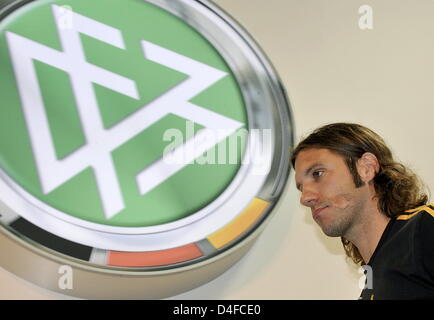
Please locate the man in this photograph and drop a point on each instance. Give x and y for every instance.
(357, 191)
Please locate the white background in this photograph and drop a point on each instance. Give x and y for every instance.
(382, 78)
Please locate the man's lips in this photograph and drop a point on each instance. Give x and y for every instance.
(316, 212)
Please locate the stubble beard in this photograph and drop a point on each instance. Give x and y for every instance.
(344, 220)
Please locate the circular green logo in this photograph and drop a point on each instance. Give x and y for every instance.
(116, 112)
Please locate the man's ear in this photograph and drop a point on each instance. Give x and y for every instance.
(368, 167)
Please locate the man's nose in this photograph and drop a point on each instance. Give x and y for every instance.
(308, 197)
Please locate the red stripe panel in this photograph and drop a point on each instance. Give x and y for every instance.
(154, 258)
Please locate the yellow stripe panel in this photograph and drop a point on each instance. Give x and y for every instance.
(430, 211)
(418, 209)
(406, 216)
(234, 229)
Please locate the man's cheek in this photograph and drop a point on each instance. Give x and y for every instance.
(342, 201)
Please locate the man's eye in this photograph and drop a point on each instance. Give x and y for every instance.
(317, 174)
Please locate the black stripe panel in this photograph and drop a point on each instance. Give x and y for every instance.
(51, 241)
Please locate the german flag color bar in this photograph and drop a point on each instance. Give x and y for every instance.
(223, 237)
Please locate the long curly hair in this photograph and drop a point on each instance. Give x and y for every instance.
(397, 187)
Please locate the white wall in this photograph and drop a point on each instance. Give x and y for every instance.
(333, 71)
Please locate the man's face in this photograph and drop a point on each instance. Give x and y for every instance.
(327, 187)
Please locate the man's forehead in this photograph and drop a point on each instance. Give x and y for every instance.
(307, 156)
(312, 157)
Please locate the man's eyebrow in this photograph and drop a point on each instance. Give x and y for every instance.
(308, 171)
